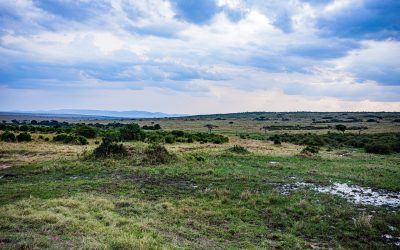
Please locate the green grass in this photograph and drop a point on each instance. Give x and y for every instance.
(199, 201)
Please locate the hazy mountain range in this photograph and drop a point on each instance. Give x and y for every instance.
(97, 113)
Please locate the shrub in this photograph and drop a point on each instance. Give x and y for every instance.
(311, 149)
(190, 139)
(341, 127)
(170, 139)
(86, 131)
(24, 128)
(82, 140)
(46, 139)
(109, 148)
(178, 133)
(154, 127)
(132, 132)
(157, 154)
(377, 148)
(24, 137)
(238, 149)
(155, 138)
(8, 137)
(276, 139)
(396, 147)
(72, 139)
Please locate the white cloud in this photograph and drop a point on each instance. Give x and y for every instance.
(140, 43)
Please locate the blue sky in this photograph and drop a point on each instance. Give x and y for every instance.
(208, 56)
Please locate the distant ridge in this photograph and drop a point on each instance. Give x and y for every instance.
(95, 113)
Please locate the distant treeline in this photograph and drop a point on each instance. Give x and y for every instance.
(77, 133)
(373, 143)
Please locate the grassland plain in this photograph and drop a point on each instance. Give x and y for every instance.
(58, 196)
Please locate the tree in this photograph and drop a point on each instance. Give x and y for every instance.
(24, 137)
(210, 127)
(132, 132)
(341, 127)
(265, 128)
(360, 129)
(8, 137)
(86, 131)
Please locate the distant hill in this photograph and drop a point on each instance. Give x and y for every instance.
(95, 113)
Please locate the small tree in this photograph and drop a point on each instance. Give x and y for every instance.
(8, 137)
(265, 128)
(86, 131)
(360, 129)
(341, 127)
(210, 127)
(24, 137)
(131, 132)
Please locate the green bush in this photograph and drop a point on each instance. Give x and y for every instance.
(70, 139)
(24, 137)
(132, 132)
(377, 148)
(86, 131)
(82, 140)
(157, 154)
(155, 138)
(311, 149)
(109, 148)
(170, 139)
(396, 147)
(178, 133)
(8, 137)
(238, 149)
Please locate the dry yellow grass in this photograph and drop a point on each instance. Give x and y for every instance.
(12, 154)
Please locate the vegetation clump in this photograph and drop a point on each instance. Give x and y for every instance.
(24, 137)
(71, 139)
(109, 148)
(310, 149)
(238, 149)
(377, 148)
(152, 127)
(210, 127)
(86, 131)
(8, 136)
(341, 127)
(157, 154)
(132, 132)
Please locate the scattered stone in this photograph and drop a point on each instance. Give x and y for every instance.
(352, 193)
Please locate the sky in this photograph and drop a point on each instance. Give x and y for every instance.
(200, 56)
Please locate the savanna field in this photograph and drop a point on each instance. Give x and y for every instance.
(235, 181)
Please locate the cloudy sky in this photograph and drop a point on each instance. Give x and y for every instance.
(200, 56)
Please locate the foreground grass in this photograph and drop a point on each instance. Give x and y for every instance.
(204, 199)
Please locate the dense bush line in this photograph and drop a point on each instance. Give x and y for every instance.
(76, 133)
(381, 143)
(71, 139)
(133, 132)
